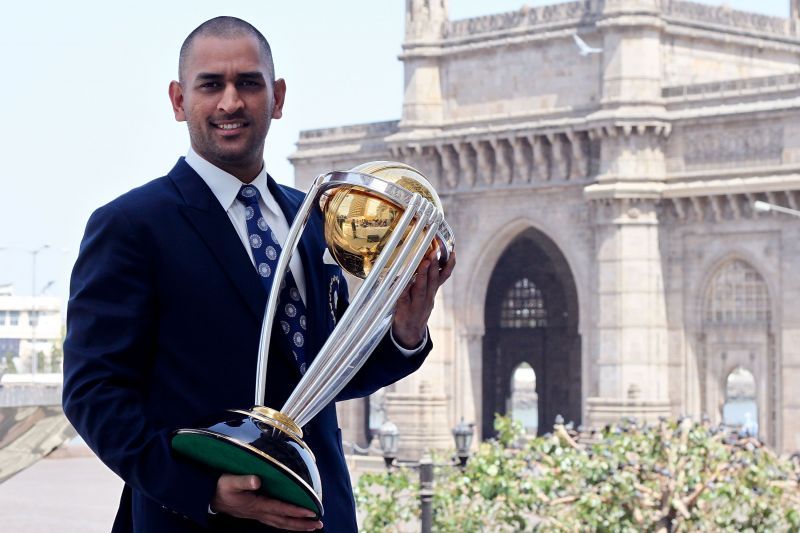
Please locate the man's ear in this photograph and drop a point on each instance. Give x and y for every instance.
(279, 95)
(176, 97)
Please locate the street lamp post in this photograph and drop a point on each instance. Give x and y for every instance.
(34, 318)
(389, 437)
(764, 207)
(34, 313)
(462, 434)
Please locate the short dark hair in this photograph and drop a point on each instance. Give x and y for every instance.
(225, 28)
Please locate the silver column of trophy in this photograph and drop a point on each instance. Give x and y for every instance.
(380, 220)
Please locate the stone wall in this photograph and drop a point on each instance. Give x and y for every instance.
(641, 163)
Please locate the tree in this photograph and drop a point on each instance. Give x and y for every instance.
(671, 476)
(11, 368)
(57, 355)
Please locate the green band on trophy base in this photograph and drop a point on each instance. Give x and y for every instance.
(233, 458)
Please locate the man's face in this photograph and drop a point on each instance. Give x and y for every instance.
(228, 102)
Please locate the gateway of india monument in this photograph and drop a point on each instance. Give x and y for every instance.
(598, 161)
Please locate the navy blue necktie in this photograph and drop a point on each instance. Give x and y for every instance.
(291, 312)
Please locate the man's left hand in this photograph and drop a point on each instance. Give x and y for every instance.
(416, 303)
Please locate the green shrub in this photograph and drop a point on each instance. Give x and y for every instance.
(671, 476)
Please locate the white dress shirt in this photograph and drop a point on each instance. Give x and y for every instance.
(226, 186)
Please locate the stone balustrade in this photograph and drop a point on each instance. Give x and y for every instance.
(735, 87)
(722, 15)
(584, 11)
(527, 17)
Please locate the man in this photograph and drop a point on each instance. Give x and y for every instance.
(168, 294)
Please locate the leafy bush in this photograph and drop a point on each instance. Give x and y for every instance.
(672, 476)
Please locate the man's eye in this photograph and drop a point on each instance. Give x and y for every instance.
(247, 83)
(209, 85)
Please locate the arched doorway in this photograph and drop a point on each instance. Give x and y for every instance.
(531, 317)
(741, 407)
(523, 406)
(736, 336)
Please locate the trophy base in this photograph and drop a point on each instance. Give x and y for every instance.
(255, 443)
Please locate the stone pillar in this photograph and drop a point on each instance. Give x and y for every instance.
(631, 53)
(422, 101)
(419, 404)
(421, 417)
(425, 19)
(794, 10)
(351, 415)
(630, 355)
(787, 348)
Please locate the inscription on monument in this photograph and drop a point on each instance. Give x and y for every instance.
(716, 147)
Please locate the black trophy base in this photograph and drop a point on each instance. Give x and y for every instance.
(260, 442)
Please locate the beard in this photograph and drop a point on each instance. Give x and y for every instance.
(240, 151)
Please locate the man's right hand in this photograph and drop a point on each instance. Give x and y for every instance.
(236, 497)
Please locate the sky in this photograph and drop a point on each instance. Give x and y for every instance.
(88, 118)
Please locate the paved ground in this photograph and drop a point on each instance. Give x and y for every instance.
(72, 492)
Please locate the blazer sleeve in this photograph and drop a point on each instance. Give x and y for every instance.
(385, 365)
(110, 343)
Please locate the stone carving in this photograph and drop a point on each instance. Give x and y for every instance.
(735, 86)
(449, 163)
(541, 159)
(511, 159)
(523, 159)
(728, 206)
(725, 16)
(425, 19)
(585, 10)
(732, 146)
(525, 17)
(466, 162)
(485, 161)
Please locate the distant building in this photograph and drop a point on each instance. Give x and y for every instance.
(28, 325)
(602, 200)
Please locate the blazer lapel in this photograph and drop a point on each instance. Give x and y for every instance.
(211, 222)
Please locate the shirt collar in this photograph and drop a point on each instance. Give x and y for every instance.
(226, 186)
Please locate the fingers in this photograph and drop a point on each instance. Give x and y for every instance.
(428, 280)
(279, 508)
(234, 483)
(235, 496)
(415, 304)
(420, 286)
(444, 274)
(291, 523)
(283, 515)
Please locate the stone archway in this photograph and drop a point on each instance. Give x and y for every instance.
(531, 316)
(737, 333)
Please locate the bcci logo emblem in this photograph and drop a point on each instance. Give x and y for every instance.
(333, 297)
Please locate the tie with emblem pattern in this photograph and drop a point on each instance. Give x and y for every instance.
(291, 312)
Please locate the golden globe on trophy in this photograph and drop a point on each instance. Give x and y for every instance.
(380, 220)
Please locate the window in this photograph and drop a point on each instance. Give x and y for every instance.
(13, 318)
(737, 295)
(34, 318)
(3, 318)
(523, 307)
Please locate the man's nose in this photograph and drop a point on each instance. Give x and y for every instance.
(230, 101)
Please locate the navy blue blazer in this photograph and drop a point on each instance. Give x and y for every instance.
(163, 325)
